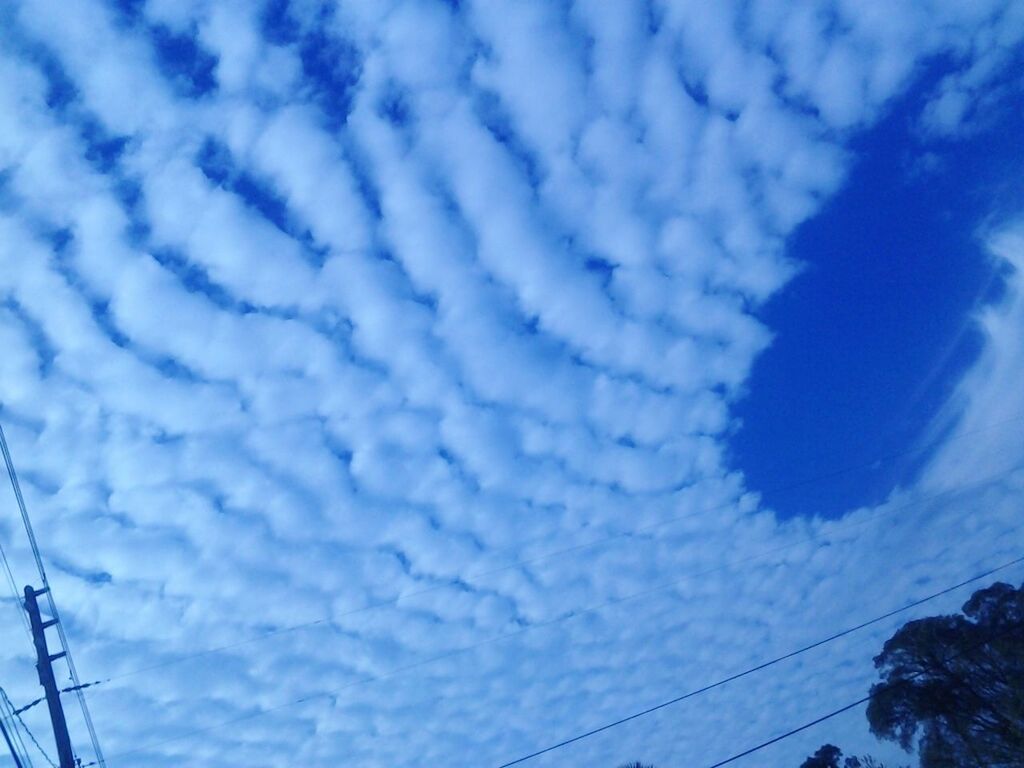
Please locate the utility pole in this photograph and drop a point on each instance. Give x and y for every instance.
(44, 664)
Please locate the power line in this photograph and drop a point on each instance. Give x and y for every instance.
(580, 611)
(13, 739)
(793, 732)
(39, 747)
(395, 672)
(9, 714)
(14, 590)
(881, 688)
(69, 689)
(24, 725)
(764, 665)
(629, 534)
(15, 594)
(10, 746)
(326, 621)
(54, 613)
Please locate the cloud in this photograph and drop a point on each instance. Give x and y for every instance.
(987, 396)
(306, 309)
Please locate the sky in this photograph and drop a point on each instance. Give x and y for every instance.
(421, 382)
(895, 286)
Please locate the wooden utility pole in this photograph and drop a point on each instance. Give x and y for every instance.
(44, 663)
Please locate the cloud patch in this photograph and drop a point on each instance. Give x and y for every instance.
(307, 309)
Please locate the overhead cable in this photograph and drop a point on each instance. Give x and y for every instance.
(28, 730)
(8, 714)
(325, 621)
(882, 688)
(54, 613)
(15, 755)
(690, 694)
(763, 665)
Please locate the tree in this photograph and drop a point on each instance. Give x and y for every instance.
(826, 757)
(955, 684)
(831, 756)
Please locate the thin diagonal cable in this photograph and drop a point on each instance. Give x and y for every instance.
(555, 620)
(604, 604)
(10, 746)
(793, 732)
(329, 621)
(15, 597)
(765, 665)
(13, 739)
(54, 613)
(6, 706)
(32, 736)
(216, 649)
(14, 591)
(35, 741)
(395, 672)
(79, 692)
(882, 688)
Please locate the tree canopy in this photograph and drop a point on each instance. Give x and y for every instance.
(957, 683)
(951, 686)
(831, 756)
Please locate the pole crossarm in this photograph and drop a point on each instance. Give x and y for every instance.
(44, 665)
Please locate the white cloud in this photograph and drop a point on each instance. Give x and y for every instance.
(514, 332)
(988, 401)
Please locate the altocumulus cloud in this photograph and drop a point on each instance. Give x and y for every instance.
(305, 307)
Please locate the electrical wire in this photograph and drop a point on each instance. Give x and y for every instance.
(41, 699)
(15, 595)
(54, 613)
(592, 608)
(762, 666)
(882, 688)
(392, 673)
(324, 621)
(7, 714)
(328, 622)
(35, 741)
(10, 746)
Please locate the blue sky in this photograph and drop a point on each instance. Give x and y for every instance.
(876, 331)
(475, 345)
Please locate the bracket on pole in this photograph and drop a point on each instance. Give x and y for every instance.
(44, 665)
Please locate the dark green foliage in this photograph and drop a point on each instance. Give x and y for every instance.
(826, 757)
(636, 765)
(955, 684)
(830, 756)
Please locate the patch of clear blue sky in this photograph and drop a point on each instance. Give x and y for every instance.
(875, 333)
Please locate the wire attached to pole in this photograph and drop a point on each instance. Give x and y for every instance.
(54, 613)
(6, 707)
(10, 745)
